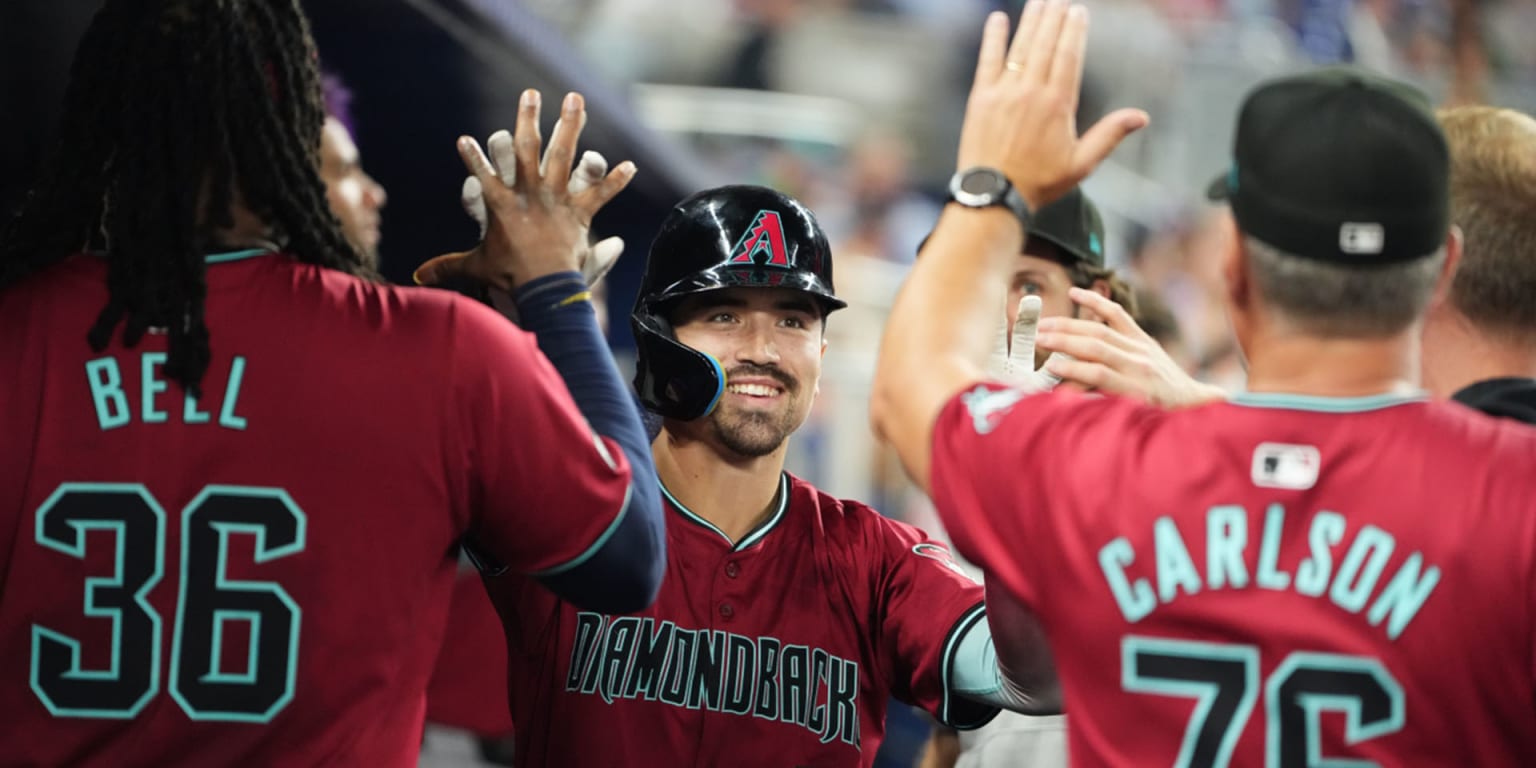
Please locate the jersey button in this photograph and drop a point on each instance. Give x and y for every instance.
(726, 610)
(732, 569)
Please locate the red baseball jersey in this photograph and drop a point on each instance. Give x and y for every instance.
(1272, 581)
(780, 650)
(260, 577)
(468, 689)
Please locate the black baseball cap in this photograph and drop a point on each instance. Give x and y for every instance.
(1072, 224)
(1339, 165)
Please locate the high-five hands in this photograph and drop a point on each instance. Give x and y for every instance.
(537, 223)
(1020, 118)
(589, 171)
(1118, 357)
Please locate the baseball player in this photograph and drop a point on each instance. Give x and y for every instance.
(212, 550)
(788, 618)
(1319, 570)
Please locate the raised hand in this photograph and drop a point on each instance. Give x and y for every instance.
(538, 224)
(589, 171)
(1020, 116)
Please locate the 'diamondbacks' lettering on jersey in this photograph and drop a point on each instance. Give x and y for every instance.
(781, 650)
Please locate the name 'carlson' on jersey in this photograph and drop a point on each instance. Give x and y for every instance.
(1276, 580)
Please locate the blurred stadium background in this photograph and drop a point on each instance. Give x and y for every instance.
(851, 105)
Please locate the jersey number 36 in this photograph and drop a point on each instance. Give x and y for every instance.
(208, 604)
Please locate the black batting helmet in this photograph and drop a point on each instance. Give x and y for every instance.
(733, 236)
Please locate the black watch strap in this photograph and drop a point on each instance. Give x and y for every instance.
(987, 187)
(1014, 201)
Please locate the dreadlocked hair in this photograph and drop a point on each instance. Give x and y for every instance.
(175, 110)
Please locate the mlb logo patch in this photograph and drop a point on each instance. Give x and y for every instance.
(1280, 465)
(1362, 237)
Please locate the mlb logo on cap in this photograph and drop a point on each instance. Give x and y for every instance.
(1326, 163)
(1355, 237)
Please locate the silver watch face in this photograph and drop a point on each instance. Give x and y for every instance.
(978, 187)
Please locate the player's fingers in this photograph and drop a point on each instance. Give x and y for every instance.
(1092, 375)
(592, 200)
(1103, 306)
(479, 166)
(1047, 38)
(526, 140)
(503, 156)
(472, 197)
(1021, 349)
(1104, 136)
(1091, 349)
(1047, 378)
(994, 46)
(999, 356)
(1066, 67)
(1080, 328)
(589, 170)
(441, 268)
(562, 142)
(1023, 38)
(605, 253)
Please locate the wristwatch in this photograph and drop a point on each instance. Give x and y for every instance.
(986, 187)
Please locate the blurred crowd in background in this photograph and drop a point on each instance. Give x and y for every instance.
(853, 106)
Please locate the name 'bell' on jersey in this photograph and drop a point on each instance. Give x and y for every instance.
(1275, 581)
(260, 577)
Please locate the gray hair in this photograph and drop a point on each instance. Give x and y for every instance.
(1333, 300)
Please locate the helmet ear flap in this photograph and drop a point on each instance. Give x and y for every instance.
(673, 380)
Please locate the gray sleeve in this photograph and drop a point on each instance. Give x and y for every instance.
(977, 673)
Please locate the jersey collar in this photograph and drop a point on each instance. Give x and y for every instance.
(1290, 402)
(752, 537)
(248, 253)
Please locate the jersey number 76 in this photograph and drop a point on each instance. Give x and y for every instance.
(1224, 679)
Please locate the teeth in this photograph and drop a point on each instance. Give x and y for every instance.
(755, 390)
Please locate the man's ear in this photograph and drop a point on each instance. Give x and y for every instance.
(1234, 266)
(1454, 241)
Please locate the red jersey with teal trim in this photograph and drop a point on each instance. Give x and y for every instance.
(780, 650)
(260, 577)
(1273, 581)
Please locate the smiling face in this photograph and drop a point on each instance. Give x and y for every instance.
(769, 342)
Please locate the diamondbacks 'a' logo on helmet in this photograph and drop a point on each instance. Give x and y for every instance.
(766, 237)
